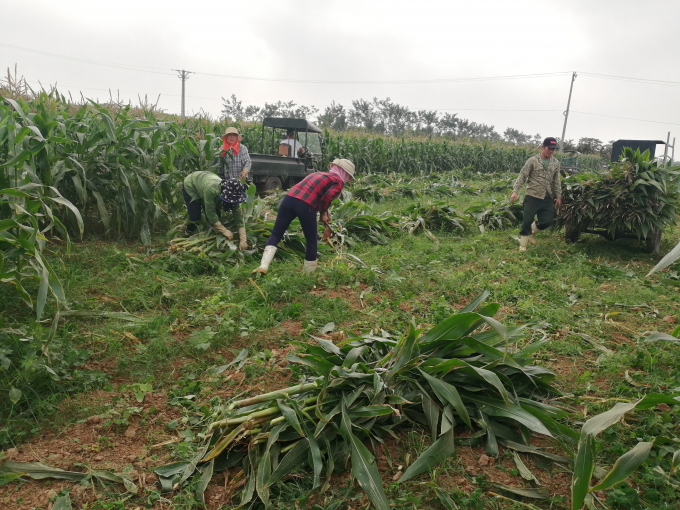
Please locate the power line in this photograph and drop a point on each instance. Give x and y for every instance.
(286, 80)
(387, 82)
(633, 79)
(628, 118)
(129, 67)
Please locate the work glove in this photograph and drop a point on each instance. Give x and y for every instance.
(244, 174)
(242, 239)
(327, 233)
(220, 228)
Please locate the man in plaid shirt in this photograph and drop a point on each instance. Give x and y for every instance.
(234, 161)
(313, 194)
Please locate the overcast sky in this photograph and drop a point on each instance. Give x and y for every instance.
(368, 41)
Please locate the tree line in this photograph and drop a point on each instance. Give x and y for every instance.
(387, 118)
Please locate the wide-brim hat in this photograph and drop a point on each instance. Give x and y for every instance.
(233, 191)
(345, 164)
(232, 131)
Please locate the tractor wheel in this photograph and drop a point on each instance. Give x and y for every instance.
(273, 183)
(571, 233)
(654, 241)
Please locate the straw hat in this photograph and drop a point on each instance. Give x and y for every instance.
(232, 131)
(345, 164)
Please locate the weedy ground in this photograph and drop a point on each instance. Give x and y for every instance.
(137, 387)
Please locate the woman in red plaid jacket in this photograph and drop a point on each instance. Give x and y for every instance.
(311, 195)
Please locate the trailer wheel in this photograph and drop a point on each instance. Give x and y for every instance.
(272, 183)
(654, 241)
(571, 233)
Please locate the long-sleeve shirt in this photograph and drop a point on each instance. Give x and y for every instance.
(540, 181)
(206, 186)
(230, 165)
(318, 190)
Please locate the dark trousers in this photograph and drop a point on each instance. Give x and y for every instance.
(544, 209)
(290, 209)
(194, 209)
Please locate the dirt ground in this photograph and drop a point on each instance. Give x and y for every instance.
(136, 449)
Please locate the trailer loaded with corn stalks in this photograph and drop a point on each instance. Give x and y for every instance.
(635, 199)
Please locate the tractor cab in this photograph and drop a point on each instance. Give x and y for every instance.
(290, 148)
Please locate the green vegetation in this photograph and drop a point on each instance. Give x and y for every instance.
(144, 323)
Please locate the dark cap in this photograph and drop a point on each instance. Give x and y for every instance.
(550, 142)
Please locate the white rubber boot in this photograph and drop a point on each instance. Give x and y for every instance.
(310, 266)
(523, 240)
(534, 228)
(267, 257)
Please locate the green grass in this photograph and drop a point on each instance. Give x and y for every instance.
(196, 316)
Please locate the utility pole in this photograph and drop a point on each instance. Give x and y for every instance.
(566, 113)
(665, 151)
(184, 76)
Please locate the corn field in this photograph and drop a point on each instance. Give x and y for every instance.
(68, 169)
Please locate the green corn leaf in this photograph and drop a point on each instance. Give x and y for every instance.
(584, 465)
(103, 211)
(603, 421)
(62, 503)
(168, 474)
(264, 471)
(448, 393)
(431, 411)
(364, 468)
(441, 449)
(472, 306)
(112, 477)
(40, 471)
(320, 365)
(531, 492)
(445, 500)
(676, 461)
(42, 288)
(9, 477)
(73, 209)
(370, 411)
(524, 471)
(290, 461)
(625, 466)
(450, 329)
(497, 408)
(203, 482)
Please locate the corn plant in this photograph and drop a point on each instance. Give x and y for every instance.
(627, 464)
(462, 372)
(28, 218)
(437, 215)
(494, 215)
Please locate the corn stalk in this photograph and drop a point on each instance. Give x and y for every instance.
(464, 372)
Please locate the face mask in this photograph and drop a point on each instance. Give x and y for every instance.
(340, 172)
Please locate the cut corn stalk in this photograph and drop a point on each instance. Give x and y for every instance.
(369, 387)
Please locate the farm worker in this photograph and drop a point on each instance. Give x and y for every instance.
(205, 190)
(311, 195)
(296, 149)
(234, 161)
(542, 175)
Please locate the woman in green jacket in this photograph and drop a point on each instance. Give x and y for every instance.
(207, 191)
